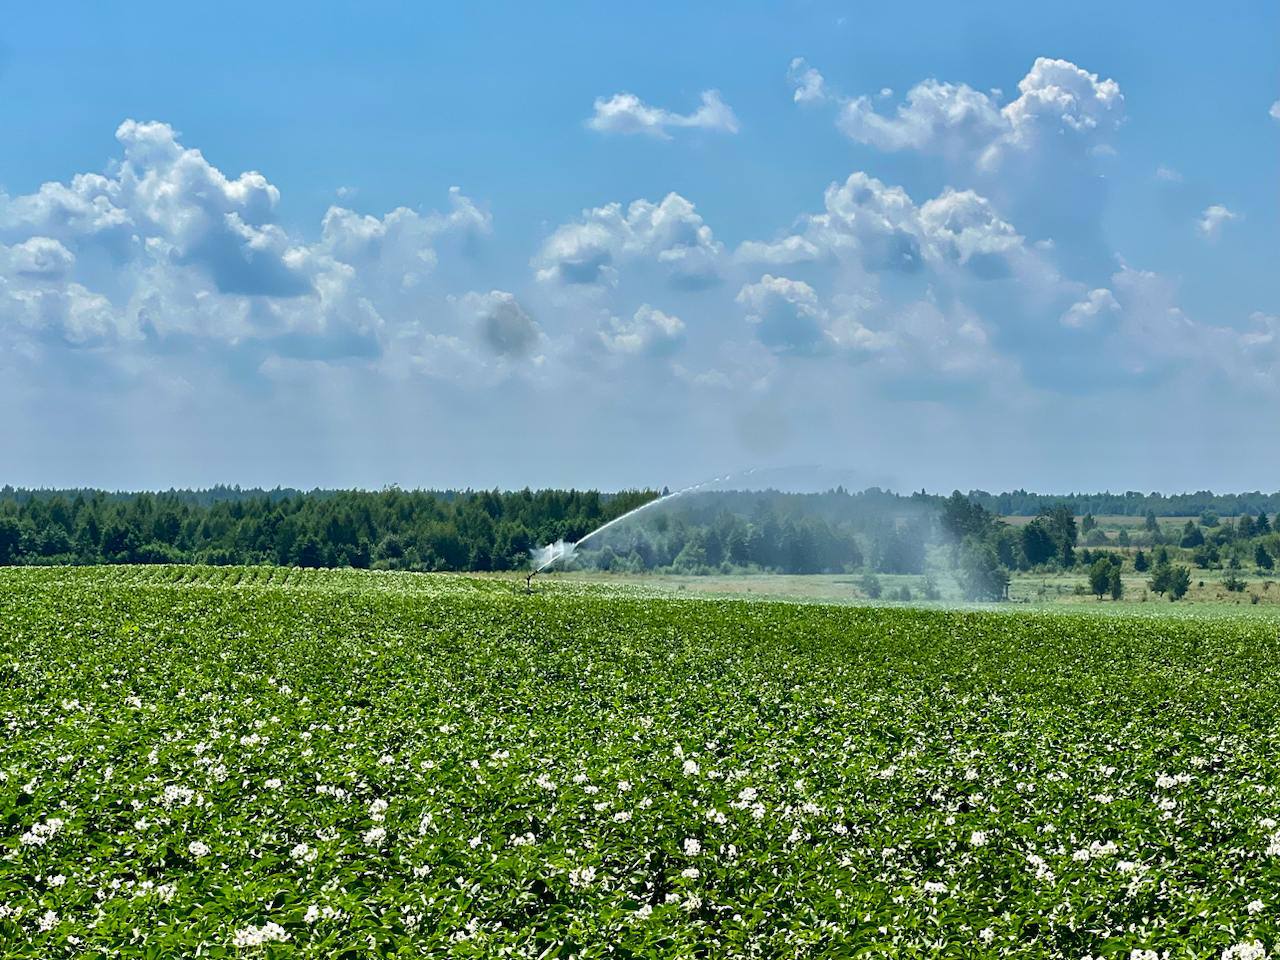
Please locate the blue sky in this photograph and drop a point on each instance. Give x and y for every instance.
(949, 245)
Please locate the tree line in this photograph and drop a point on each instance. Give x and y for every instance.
(986, 549)
(389, 529)
(1021, 503)
(836, 531)
(833, 531)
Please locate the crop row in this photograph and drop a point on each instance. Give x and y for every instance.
(440, 766)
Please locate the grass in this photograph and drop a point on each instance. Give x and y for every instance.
(1037, 589)
(257, 762)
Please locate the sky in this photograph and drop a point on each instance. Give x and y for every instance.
(986, 245)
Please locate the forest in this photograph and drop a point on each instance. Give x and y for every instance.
(836, 531)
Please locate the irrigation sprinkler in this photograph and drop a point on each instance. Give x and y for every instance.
(547, 556)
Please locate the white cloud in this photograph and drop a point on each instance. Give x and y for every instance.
(670, 234)
(1057, 100)
(625, 113)
(880, 227)
(898, 342)
(1168, 174)
(67, 312)
(933, 345)
(165, 264)
(165, 243)
(649, 332)
(786, 313)
(1214, 219)
(401, 243)
(1156, 337)
(936, 116)
(505, 326)
(1086, 312)
(877, 223)
(788, 250)
(1274, 112)
(1057, 97)
(808, 82)
(41, 258)
(966, 229)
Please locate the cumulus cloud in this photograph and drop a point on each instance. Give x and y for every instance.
(1056, 99)
(184, 207)
(786, 314)
(649, 332)
(403, 243)
(1155, 337)
(942, 117)
(878, 221)
(41, 258)
(505, 326)
(809, 85)
(1036, 156)
(670, 234)
(166, 244)
(166, 260)
(787, 250)
(1214, 219)
(881, 228)
(1087, 312)
(907, 345)
(625, 113)
(966, 229)
(66, 312)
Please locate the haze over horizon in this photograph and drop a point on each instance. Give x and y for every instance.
(1001, 248)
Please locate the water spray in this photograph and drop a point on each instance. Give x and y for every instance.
(547, 556)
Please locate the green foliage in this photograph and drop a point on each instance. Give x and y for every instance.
(1262, 557)
(1115, 585)
(1192, 536)
(1179, 582)
(1140, 562)
(472, 530)
(390, 765)
(962, 517)
(1061, 524)
(901, 550)
(1038, 544)
(1205, 556)
(413, 530)
(1161, 575)
(1131, 504)
(980, 574)
(1101, 575)
(870, 586)
(1104, 576)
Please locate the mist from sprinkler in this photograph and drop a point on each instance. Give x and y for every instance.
(546, 557)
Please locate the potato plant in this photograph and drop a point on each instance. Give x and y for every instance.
(276, 763)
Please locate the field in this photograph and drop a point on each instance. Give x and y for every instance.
(255, 762)
(1041, 589)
